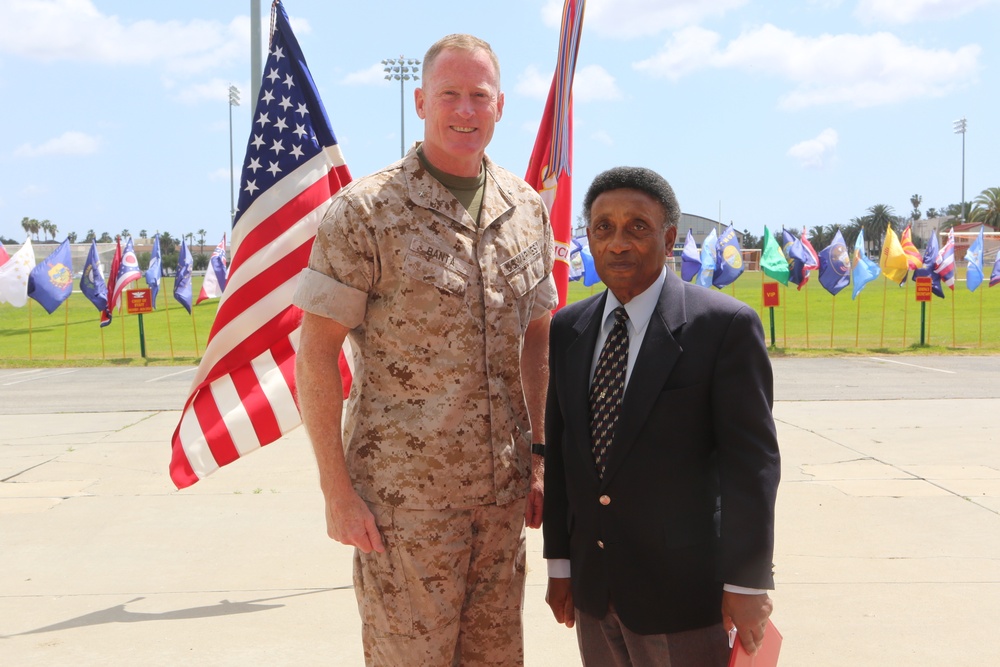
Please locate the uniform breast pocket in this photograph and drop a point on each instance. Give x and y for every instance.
(525, 270)
(432, 273)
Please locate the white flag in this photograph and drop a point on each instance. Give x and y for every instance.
(14, 276)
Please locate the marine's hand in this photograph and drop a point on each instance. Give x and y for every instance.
(559, 596)
(350, 522)
(536, 494)
(749, 613)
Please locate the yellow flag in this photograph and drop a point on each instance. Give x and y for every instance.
(893, 260)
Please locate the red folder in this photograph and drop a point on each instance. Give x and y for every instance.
(767, 654)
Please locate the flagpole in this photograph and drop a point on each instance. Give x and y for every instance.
(833, 306)
(195, 329)
(857, 323)
(980, 316)
(953, 340)
(906, 306)
(66, 331)
(30, 349)
(885, 291)
(805, 292)
(784, 317)
(170, 334)
(122, 319)
(104, 354)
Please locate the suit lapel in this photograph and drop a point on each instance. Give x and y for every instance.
(657, 356)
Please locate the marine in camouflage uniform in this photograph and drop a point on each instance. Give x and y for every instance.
(436, 431)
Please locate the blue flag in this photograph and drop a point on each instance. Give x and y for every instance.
(51, 281)
(930, 256)
(590, 276)
(802, 258)
(575, 260)
(835, 265)
(865, 270)
(182, 283)
(690, 258)
(708, 250)
(974, 257)
(155, 271)
(92, 281)
(728, 259)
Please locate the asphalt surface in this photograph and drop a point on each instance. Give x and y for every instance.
(887, 544)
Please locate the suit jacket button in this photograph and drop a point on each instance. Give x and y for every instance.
(605, 500)
(600, 544)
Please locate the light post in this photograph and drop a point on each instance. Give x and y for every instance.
(959, 126)
(401, 69)
(234, 101)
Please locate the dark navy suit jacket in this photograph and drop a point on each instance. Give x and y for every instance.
(687, 500)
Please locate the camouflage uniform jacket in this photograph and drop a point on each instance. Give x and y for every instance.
(438, 306)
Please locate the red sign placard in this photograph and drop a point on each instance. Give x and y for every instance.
(771, 299)
(139, 301)
(924, 288)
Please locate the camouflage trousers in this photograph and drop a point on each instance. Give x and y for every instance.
(447, 591)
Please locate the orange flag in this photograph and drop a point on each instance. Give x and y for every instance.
(914, 258)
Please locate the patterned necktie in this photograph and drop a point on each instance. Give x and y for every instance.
(607, 389)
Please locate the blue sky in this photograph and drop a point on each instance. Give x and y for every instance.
(778, 113)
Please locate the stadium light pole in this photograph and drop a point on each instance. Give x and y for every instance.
(401, 69)
(234, 101)
(959, 126)
(256, 68)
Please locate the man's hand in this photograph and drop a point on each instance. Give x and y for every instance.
(749, 613)
(536, 493)
(560, 598)
(350, 522)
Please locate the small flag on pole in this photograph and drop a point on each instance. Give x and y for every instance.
(215, 277)
(155, 271)
(243, 393)
(51, 282)
(974, 259)
(14, 276)
(944, 265)
(92, 281)
(773, 263)
(551, 165)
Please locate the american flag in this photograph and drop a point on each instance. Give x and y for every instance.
(551, 164)
(944, 265)
(243, 393)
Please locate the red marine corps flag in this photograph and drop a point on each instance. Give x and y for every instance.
(549, 170)
(243, 393)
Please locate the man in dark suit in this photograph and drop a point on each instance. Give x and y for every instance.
(661, 460)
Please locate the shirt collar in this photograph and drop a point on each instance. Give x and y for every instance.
(640, 308)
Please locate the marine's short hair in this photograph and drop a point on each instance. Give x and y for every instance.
(460, 42)
(635, 178)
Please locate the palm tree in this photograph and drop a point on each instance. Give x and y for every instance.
(142, 235)
(53, 229)
(932, 212)
(201, 239)
(880, 218)
(31, 226)
(72, 236)
(987, 207)
(91, 236)
(915, 200)
(125, 233)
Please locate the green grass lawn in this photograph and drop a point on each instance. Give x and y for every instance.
(884, 320)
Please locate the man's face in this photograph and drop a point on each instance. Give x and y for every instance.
(629, 240)
(460, 104)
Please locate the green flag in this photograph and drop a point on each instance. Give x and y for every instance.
(772, 260)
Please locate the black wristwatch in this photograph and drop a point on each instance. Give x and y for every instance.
(538, 448)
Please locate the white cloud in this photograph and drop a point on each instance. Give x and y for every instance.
(858, 70)
(54, 30)
(374, 75)
(590, 83)
(909, 11)
(817, 152)
(634, 18)
(69, 143)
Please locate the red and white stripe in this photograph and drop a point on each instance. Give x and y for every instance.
(243, 393)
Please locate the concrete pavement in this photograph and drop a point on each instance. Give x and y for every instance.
(888, 539)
